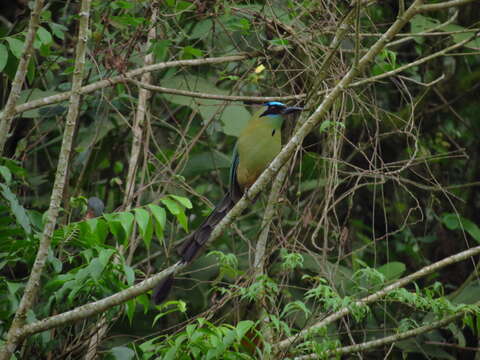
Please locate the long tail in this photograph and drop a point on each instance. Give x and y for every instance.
(192, 245)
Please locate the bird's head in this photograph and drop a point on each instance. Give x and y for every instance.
(95, 207)
(276, 108)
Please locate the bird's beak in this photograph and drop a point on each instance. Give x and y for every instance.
(292, 109)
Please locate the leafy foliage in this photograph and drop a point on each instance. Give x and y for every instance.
(386, 185)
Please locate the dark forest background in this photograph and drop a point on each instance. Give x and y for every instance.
(385, 186)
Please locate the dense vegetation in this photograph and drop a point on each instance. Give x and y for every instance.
(364, 244)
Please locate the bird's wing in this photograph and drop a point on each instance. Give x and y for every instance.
(236, 191)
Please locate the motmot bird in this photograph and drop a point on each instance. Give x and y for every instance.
(258, 143)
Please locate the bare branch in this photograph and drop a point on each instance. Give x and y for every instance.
(253, 99)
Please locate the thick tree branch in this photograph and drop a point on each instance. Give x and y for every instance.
(97, 307)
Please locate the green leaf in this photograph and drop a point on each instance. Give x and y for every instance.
(142, 217)
(179, 305)
(129, 274)
(56, 263)
(105, 255)
(31, 71)
(327, 124)
(94, 270)
(160, 219)
(176, 209)
(18, 210)
(392, 270)
(58, 30)
(122, 352)
(3, 57)
(180, 5)
(474, 43)
(6, 174)
(234, 117)
(122, 4)
(451, 221)
(13, 287)
(130, 309)
(182, 220)
(44, 36)
(456, 222)
(468, 295)
(421, 23)
(243, 327)
(280, 42)
(16, 46)
(183, 200)
(99, 229)
(115, 227)
(159, 49)
(126, 220)
(295, 306)
(202, 29)
(127, 20)
(189, 52)
(172, 206)
(206, 161)
(159, 214)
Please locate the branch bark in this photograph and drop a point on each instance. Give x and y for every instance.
(97, 307)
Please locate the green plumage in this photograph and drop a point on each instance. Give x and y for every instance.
(256, 147)
(258, 144)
